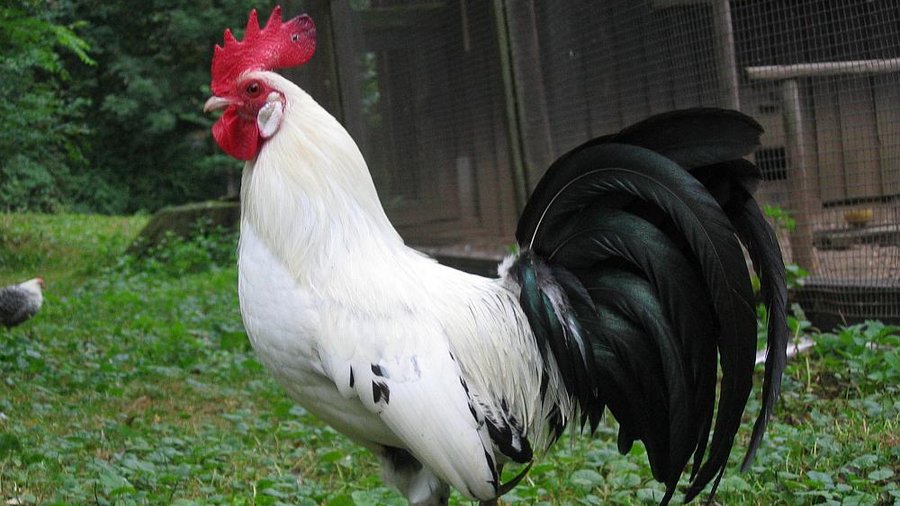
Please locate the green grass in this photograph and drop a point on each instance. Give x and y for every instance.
(136, 385)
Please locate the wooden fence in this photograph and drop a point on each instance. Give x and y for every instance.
(460, 105)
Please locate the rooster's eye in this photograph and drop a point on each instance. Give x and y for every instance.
(253, 89)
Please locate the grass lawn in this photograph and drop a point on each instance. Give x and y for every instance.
(136, 385)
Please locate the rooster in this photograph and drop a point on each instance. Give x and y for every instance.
(20, 302)
(629, 291)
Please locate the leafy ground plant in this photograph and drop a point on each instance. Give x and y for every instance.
(136, 385)
(207, 248)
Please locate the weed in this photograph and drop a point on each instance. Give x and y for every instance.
(780, 217)
(207, 247)
(864, 358)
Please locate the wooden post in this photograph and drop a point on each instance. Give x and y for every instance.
(798, 176)
(517, 162)
(726, 62)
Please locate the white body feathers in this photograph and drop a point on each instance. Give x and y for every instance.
(381, 342)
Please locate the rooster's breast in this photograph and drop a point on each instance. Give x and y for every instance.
(283, 322)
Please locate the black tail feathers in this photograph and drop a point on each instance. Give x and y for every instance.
(633, 278)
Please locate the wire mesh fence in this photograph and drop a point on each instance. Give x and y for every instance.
(422, 91)
(460, 105)
(832, 70)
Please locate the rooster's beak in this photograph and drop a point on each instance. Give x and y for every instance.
(215, 103)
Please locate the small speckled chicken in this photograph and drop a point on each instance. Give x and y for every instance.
(20, 302)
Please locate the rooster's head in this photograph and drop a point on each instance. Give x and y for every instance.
(253, 107)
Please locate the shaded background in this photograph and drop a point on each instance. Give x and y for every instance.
(460, 105)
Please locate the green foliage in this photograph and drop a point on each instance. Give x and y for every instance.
(62, 245)
(206, 248)
(101, 103)
(780, 217)
(42, 123)
(149, 134)
(833, 440)
(863, 359)
(795, 275)
(136, 384)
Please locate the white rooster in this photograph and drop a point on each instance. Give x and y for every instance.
(630, 282)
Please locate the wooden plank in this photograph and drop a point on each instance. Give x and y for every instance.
(424, 157)
(530, 97)
(381, 157)
(685, 78)
(631, 64)
(660, 84)
(463, 87)
(515, 53)
(496, 187)
(347, 39)
(400, 17)
(410, 157)
(844, 238)
(887, 111)
(390, 159)
(498, 190)
(438, 152)
(703, 61)
(563, 70)
(647, 64)
(599, 47)
(857, 118)
(464, 146)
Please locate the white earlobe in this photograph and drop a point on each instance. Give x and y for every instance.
(269, 118)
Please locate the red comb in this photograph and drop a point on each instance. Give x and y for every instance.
(278, 45)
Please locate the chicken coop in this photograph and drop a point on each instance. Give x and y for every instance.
(460, 105)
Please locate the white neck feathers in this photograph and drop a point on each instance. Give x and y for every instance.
(309, 194)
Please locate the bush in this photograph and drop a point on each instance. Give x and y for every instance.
(149, 136)
(101, 107)
(41, 123)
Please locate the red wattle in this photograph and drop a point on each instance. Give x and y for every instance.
(237, 137)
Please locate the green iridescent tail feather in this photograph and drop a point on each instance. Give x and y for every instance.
(633, 278)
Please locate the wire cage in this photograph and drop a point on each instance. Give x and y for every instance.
(460, 105)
